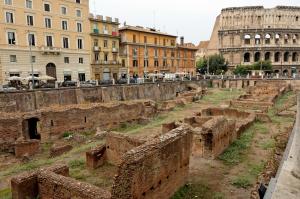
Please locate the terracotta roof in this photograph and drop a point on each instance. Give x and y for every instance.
(147, 30)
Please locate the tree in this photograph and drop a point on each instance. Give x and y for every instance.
(262, 65)
(217, 64)
(242, 69)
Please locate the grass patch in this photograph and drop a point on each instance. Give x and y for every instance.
(77, 164)
(222, 95)
(268, 144)
(5, 194)
(67, 134)
(236, 152)
(261, 128)
(242, 182)
(198, 190)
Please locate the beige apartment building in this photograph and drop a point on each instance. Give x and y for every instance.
(57, 32)
(105, 62)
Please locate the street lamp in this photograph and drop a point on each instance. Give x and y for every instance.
(30, 49)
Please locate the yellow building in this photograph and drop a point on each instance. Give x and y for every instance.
(58, 31)
(105, 62)
(145, 51)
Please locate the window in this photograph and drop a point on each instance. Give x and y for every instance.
(66, 60)
(65, 42)
(165, 53)
(164, 63)
(49, 42)
(105, 57)
(96, 42)
(134, 38)
(64, 25)
(33, 59)
(145, 39)
(114, 44)
(134, 52)
(247, 39)
(96, 57)
(78, 13)
(13, 58)
(155, 53)
(135, 63)
(80, 43)
(29, 20)
(105, 43)
(9, 17)
(11, 38)
(47, 7)
(80, 60)
(146, 63)
(29, 4)
(31, 39)
(67, 77)
(81, 77)
(164, 42)
(48, 22)
(172, 42)
(115, 57)
(77, 1)
(155, 41)
(8, 2)
(156, 63)
(63, 10)
(79, 27)
(297, 18)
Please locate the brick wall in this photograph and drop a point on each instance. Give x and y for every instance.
(155, 169)
(26, 147)
(117, 145)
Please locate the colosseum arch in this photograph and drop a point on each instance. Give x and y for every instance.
(257, 39)
(295, 57)
(268, 38)
(295, 38)
(267, 56)
(247, 39)
(277, 38)
(277, 57)
(286, 38)
(247, 57)
(286, 57)
(257, 56)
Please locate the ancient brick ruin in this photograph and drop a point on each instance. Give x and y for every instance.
(261, 97)
(216, 128)
(153, 169)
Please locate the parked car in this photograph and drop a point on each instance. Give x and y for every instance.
(68, 84)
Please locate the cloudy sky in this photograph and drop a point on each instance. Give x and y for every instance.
(193, 19)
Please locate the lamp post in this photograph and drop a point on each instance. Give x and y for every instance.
(30, 49)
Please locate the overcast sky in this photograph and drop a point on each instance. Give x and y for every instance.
(194, 19)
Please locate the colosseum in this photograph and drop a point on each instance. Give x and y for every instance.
(244, 35)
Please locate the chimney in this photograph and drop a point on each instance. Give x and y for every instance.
(182, 41)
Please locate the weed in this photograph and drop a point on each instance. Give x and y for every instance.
(268, 144)
(197, 190)
(67, 134)
(79, 164)
(242, 182)
(5, 194)
(222, 95)
(235, 153)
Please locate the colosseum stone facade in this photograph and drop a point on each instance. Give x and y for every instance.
(245, 35)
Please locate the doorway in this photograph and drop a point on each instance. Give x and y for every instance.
(51, 70)
(31, 127)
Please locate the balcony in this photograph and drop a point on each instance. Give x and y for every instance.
(110, 62)
(96, 48)
(115, 50)
(50, 50)
(105, 33)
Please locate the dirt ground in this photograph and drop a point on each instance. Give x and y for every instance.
(208, 178)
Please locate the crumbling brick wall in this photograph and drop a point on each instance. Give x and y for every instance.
(26, 147)
(117, 145)
(96, 157)
(25, 185)
(54, 186)
(105, 116)
(217, 135)
(10, 130)
(155, 169)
